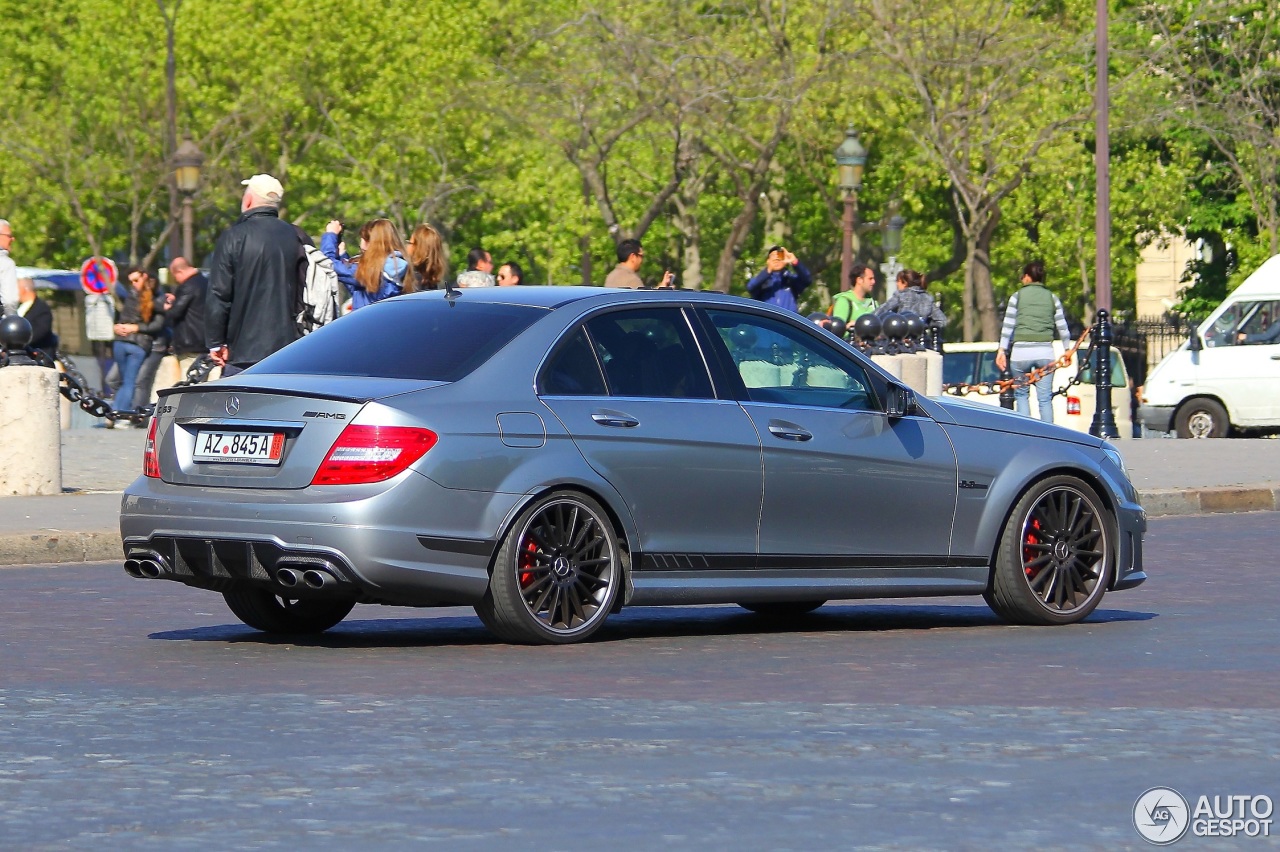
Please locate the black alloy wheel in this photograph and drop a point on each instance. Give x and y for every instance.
(556, 576)
(1054, 561)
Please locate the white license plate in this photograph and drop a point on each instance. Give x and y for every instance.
(239, 447)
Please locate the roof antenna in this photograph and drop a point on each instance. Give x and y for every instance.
(451, 293)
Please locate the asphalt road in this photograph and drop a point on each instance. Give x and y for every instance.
(140, 714)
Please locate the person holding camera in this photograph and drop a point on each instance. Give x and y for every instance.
(781, 281)
(378, 273)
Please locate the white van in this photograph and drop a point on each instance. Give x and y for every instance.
(975, 363)
(1226, 379)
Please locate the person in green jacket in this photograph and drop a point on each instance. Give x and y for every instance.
(1032, 320)
(850, 304)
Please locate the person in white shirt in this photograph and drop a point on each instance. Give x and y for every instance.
(8, 272)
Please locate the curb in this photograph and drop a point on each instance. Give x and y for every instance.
(1204, 501)
(56, 547)
(59, 547)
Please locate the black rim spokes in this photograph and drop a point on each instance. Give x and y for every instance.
(1063, 548)
(565, 566)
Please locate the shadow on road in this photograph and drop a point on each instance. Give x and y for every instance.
(640, 623)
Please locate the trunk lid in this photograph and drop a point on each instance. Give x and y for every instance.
(254, 433)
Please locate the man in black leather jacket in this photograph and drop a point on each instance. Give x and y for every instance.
(184, 311)
(255, 274)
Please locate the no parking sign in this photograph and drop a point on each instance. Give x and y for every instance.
(98, 275)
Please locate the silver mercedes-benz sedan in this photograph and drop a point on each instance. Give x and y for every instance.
(549, 455)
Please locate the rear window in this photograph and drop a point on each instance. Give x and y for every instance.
(403, 338)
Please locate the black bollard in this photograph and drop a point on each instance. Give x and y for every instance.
(1006, 394)
(1104, 419)
(15, 334)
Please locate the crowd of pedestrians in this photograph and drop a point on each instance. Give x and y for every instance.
(248, 307)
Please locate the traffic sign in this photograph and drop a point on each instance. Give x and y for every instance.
(98, 275)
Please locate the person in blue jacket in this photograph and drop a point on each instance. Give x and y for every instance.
(378, 273)
(781, 281)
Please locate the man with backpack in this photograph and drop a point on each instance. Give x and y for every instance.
(255, 280)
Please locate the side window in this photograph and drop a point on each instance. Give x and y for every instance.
(649, 352)
(573, 370)
(783, 364)
(1246, 323)
(1259, 323)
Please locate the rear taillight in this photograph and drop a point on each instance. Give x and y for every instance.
(1073, 405)
(372, 454)
(150, 462)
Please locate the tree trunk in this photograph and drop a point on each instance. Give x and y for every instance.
(983, 289)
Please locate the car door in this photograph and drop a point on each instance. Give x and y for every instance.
(632, 388)
(844, 485)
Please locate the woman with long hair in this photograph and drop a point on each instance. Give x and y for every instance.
(378, 272)
(141, 320)
(426, 259)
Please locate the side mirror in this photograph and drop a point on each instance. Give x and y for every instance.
(1194, 343)
(901, 401)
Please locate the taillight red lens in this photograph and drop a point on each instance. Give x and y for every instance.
(372, 454)
(1073, 405)
(150, 461)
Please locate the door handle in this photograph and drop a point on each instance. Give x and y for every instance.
(614, 418)
(1275, 357)
(789, 432)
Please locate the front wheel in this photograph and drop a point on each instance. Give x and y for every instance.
(1202, 418)
(1054, 560)
(556, 576)
(272, 613)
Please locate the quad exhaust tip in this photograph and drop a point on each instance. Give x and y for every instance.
(147, 566)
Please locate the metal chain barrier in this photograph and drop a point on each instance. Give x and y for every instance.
(74, 387)
(1026, 380)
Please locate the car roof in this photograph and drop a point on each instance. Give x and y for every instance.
(557, 296)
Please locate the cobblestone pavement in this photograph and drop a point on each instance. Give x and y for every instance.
(139, 714)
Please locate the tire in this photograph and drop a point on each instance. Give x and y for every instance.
(782, 609)
(1202, 418)
(271, 613)
(1055, 556)
(556, 575)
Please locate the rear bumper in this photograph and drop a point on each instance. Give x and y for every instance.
(433, 552)
(1157, 418)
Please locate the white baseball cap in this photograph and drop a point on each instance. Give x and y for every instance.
(265, 187)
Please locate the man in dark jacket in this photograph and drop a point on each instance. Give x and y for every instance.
(254, 278)
(781, 281)
(185, 312)
(38, 313)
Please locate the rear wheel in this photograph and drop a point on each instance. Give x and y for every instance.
(1054, 560)
(271, 613)
(556, 576)
(1202, 418)
(782, 609)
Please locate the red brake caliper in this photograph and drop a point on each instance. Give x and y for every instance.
(526, 562)
(1027, 553)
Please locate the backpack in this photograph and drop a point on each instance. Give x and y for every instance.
(319, 292)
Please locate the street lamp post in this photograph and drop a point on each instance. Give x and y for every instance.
(851, 157)
(892, 247)
(187, 161)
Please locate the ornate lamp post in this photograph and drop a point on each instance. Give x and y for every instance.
(187, 161)
(892, 247)
(851, 157)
